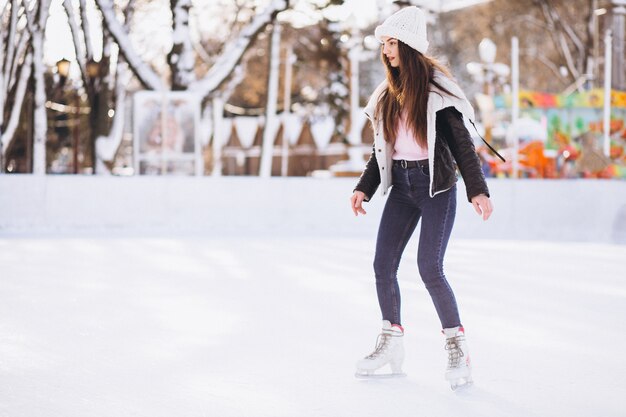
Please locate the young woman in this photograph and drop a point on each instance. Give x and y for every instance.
(420, 139)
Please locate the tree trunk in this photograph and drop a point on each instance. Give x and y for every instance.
(181, 58)
(86, 31)
(36, 24)
(7, 59)
(20, 93)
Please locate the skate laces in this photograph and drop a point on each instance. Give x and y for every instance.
(455, 353)
(382, 343)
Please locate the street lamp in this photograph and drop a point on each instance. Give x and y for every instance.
(93, 68)
(63, 67)
(487, 51)
(93, 71)
(486, 72)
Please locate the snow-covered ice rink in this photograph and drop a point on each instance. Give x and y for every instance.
(272, 326)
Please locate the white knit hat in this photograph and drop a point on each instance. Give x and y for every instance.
(407, 25)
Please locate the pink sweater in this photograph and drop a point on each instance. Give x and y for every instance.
(406, 146)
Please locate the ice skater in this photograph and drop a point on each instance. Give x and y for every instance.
(419, 137)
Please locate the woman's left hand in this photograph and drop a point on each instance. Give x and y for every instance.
(482, 205)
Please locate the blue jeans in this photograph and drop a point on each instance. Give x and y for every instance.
(409, 201)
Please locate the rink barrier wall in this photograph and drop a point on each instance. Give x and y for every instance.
(570, 210)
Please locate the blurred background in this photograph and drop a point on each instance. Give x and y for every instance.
(275, 88)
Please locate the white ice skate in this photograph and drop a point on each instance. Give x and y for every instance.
(459, 370)
(389, 351)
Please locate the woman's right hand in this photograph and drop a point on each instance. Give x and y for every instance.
(357, 200)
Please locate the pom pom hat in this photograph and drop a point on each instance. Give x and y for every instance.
(407, 25)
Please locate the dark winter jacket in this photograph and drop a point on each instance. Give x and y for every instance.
(453, 148)
(448, 141)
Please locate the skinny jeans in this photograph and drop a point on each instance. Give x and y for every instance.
(408, 202)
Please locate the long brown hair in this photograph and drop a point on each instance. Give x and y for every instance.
(407, 89)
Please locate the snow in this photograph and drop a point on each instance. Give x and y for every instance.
(322, 129)
(181, 36)
(292, 125)
(247, 127)
(107, 146)
(140, 68)
(225, 130)
(76, 37)
(36, 19)
(206, 125)
(11, 126)
(22, 46)
(89, 47)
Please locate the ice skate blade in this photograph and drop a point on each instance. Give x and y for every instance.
(461, 384)
(366, 375)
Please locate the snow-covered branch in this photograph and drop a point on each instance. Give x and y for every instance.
(233, 52)
(106, 146)
(2, 97)
(80, 56)
(9, 49)
(9, 132)
(238, 75)
(84, 21)
(551, 65)
(144, 73)
(128, 14)
(556, 29)
(20, 52)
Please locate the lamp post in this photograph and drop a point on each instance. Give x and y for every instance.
(619, 23)
(488, 72)
(355, 56)
(271, 121)
(359, 48)
(487, 54)
(290, 59)
(93, 71)
(63, 67)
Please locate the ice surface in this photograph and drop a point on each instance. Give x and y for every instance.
(272, 326)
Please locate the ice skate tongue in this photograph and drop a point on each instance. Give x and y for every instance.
(452, 332)
(390, 329)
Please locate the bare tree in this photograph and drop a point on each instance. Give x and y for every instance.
(558, 39)
(179, 56)
(21, 59)
(15, 71)
(36, 21)
(574, 44)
